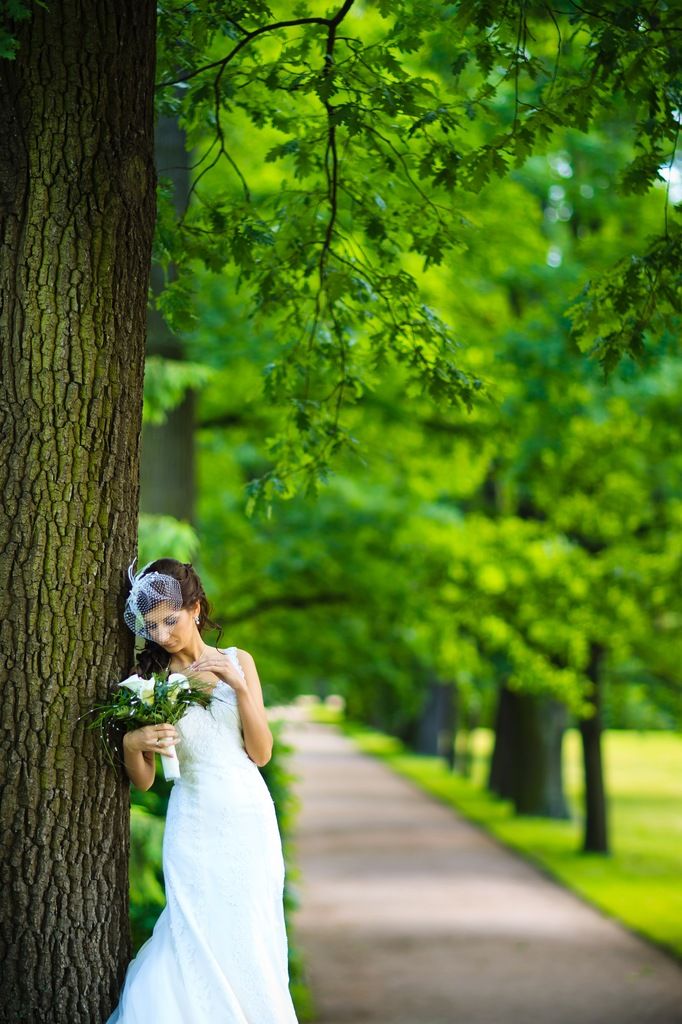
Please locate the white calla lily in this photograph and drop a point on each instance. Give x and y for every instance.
(134, 683)
(146, 692)
(178, 679)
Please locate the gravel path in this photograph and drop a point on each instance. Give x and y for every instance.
(411, 915)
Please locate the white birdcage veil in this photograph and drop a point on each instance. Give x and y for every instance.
(147, 593)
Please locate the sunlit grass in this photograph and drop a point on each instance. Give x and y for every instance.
(640, 881)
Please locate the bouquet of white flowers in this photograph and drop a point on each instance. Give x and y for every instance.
(137, 702)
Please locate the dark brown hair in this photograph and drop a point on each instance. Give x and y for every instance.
(153, 657)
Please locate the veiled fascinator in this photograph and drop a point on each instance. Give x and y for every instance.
(146, 594)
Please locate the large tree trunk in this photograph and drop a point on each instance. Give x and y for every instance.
(77, 201)
(526, 765)
(595, 839)
(168, 477)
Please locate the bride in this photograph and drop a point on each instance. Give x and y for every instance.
(218, 952)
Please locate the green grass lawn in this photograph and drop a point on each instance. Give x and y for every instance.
(640, 881)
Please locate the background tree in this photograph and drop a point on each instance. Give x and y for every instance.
(386, 119)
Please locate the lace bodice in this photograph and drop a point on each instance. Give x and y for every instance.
(212, 737)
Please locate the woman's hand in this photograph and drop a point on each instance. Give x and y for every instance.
(221, 665)
(153, 739)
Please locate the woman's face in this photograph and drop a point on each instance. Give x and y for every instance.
(170, 628)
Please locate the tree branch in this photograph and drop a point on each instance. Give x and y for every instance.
(330, 23)
(224, 61)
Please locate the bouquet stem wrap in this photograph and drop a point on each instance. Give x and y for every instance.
(171, 765)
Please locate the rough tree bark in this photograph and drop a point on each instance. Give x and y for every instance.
(77, 188)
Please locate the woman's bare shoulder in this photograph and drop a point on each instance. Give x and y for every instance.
(244, 654)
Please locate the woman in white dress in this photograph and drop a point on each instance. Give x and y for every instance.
(218, 952)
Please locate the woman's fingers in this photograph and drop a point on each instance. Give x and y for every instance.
(164, 747)
(162, 737)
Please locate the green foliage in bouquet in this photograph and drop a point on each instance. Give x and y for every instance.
(136, 702)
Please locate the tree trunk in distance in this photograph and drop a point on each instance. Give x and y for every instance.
(530, 762)
(448, 731)
(504, 748)
(555, 720)
(467, 720)
(435, 731)
(167, 483)
(595, 839)
(77, 206)
(526, 765)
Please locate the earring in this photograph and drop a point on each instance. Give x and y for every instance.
(196, 619)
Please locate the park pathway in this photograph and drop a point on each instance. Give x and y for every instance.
(411, 915)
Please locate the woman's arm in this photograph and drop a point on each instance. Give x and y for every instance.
(257, 736)
(140, 747)
(140, 765)
(258, 739)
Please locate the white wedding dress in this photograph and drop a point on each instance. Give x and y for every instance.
(218, 952)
